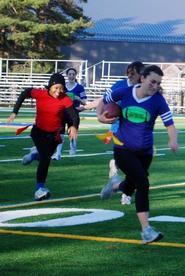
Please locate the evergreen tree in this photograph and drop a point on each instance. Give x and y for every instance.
(37, 28)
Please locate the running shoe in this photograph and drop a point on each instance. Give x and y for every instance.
(125, 200)
(41, 194)
(150, 235)
(113, 170)
(55, 157)
(108, 189)
(28, 158)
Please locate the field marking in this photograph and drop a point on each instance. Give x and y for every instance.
(64, 156)
(168, 186)
(76, 155)
(78, 150)
(46, 201)
(25, 204)
(14, 137)
(89, 238)
(86, 216)
(28, 136)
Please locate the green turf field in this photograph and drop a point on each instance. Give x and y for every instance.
(111, 247)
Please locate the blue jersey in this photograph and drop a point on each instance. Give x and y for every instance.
(136, 125)
(77, 90)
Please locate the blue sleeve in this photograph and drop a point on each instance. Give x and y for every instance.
(165, 113)
(114, 95)
(119, 84)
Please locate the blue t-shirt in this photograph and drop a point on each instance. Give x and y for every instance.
(136, 126)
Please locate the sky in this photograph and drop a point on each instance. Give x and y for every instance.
(147, 11)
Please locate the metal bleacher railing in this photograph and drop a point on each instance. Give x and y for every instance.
(103, 74)
(95, 78)
(12, 82)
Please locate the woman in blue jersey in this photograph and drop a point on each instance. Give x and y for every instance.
(141, 105)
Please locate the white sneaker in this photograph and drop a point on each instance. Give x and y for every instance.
(113, 170)
(55, 157)
(28, 158)
(42, 193)
(125, 200)
(150, 235)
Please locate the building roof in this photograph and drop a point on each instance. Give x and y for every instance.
(129, 30)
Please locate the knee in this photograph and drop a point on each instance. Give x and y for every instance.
(142, 184)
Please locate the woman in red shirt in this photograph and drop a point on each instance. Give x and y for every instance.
(45, 133)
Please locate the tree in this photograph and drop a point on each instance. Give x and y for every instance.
(37, 28)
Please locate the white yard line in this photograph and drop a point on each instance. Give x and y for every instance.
(24, 204)
(76, 155)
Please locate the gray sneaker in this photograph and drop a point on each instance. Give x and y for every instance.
(28, 158)
(150, 235)
(41, 194)
(108, 190)
(56, 157)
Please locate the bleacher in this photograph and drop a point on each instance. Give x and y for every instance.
(96, 79)
(12, 84)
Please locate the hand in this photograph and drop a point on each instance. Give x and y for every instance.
(104, 118)
(72, 132)
(173, 146)
(11, 118)
(92, 105)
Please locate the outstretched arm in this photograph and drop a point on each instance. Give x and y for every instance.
(25, 94)
(172, 134)
(93, 104)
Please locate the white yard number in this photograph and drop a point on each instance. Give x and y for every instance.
(88, 216)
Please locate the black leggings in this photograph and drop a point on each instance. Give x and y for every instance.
(46, 144)
(135, 166)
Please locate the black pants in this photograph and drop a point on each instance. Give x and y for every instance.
(135, 166)
(46, 144)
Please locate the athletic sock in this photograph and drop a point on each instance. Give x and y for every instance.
(39, 185)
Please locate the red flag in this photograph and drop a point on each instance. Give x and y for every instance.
(21, 129)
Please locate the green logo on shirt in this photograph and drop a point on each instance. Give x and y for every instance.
(71, 95)
(136, 114)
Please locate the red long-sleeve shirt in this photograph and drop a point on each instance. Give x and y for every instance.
(49, 110)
